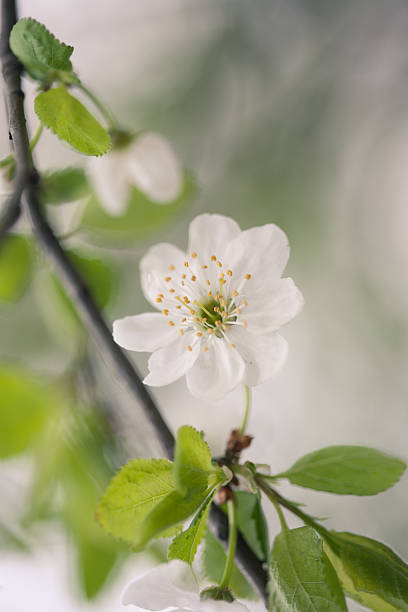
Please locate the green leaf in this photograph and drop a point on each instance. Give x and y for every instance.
(169, 512)
(371, 573)
(59, 313)
(68, 118)
(26, 404)
(301, 575)
(141, 218)
(192, 461)
(185, 544)
(252, 523)
(346, 470)
(214, 559)
(38, 50)
(132, 495)
(96, 562)
(65, 185)
(15, 267)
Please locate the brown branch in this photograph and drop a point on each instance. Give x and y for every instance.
(26, 185)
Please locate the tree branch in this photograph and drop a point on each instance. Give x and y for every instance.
(26, 186)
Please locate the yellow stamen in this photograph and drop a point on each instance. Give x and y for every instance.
(193, 278)
(167, 279)
(172, 291)
(181, 332)
(229, 272)
(171, 323)
(159, 300)
(219, 264)
(204, 267)
(193, 255)
(171, 267)
(186, 264)
(208, 283)
(213, 258)
(232, 345)
(205, 349)
(183, 276)
(235, 293)
(199, 334)
(189, 348)
(247, 276)
(165, 312)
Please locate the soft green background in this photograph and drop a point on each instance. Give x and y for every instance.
(286, 111)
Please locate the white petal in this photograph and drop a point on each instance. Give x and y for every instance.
(268, 310)
(210, 234)
(159, 589)
(144, 332)
(154, 267)
(173, 361)
(258, 250)
(154, 168)
(217, 371)
(108, 178)
(264, 354)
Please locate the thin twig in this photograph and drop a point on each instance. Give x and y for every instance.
(27, 181)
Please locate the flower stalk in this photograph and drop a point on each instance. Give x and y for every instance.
(232, 543)
(247, 393)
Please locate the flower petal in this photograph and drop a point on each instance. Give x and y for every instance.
(144, 332)
(264, 354)
(154, 268)
(173, 361)
(159, 589)
(154, 168)
(210, 234)
(217, 371)
(108, 177)
(258, 250)
(268, 310)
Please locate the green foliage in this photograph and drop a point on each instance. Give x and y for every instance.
(192, 461)
(73, 461)
(25, 407)
(63, 186)
(88, 454)
(132, 494)
(185, 544)
(59, 313)
(173, 510)
(346, 470)
(214, 559)
(141, 218)
(15, 267)
(68, 118)
(370, 572)
(252, 523)
(301, 575)
(38, 50)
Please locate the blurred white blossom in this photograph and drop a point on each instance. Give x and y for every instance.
(221, 306)
(148, 162)
(171, 585)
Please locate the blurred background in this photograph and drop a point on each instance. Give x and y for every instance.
(282, 111)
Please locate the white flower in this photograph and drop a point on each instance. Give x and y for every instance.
(171, 585)
(221, 306)
(148, 162)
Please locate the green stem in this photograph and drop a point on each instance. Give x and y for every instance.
(280, 514)
(105, 112)
(277, 499)
(247, 392)
(36, 137)
(232, 543)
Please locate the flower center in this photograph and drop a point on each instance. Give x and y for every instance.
(202, 299)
